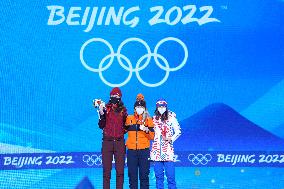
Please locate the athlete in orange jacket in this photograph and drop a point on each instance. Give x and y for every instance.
(140, 129)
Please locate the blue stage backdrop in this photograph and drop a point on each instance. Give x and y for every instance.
(219, 64)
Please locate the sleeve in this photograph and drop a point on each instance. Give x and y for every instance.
(125, 117)
(127, 123)
(150, 126)
(176, 128)
(102, 121)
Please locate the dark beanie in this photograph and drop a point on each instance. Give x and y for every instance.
(116, 91)
(140, 103)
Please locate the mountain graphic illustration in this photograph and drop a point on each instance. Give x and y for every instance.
(220, 127)
(61, 140)
(268, 110)
(85, 184)
(279, 131)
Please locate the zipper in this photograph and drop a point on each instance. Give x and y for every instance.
(161, 142)
(137, 132)
(114, 128)
(115, 124)
(136, 136)
(160, 147)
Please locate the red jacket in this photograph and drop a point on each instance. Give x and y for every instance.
(113, 122)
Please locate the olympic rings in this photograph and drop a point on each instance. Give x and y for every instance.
(199, 159)
(93, 160)
(129, 67)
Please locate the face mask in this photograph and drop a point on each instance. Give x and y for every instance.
(162, 110)
(114, 100)
(139, 111)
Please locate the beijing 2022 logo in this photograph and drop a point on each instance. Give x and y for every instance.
(138, 66)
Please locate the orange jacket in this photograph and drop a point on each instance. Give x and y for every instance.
(138, 139)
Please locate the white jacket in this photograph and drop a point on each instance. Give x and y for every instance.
(163, 150)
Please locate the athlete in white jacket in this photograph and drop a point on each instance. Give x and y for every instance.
(167, 130)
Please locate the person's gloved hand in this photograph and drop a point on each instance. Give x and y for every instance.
(101, 109)
(168, 139)
(143, 128)
(146, 130)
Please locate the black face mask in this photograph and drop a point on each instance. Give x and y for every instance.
(114, 100)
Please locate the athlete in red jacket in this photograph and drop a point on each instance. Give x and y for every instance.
(112, 121)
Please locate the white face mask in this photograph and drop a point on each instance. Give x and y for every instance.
(139, 110)
(162, 110)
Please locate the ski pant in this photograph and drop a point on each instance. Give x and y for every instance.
(110, 147)
(168, 166)
(138, 161)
